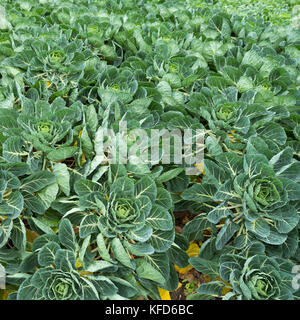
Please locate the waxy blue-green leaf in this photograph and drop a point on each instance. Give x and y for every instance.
(258, 226)
(168, 175)
(209, 268)
(5, 230)
(66, 234)
(232, 162)
(65, 260)
(48, 194)
(159, 218)
(141, 235)
(37, 181)
(13, 206)
(61, 172)
(161, 240)
(200, 192)
(62, 153)
(123, 186)
(102, 266)
(42, 226)
(146, 187)
(193, 230)
(18, 234)
(226, 233)
(289, 220)
(120, 254)
(88, 225)
(218, 213)
(46, 255)
(13, 149)
(146, 271)
(139, 249)
(164, 198)
(213, 288)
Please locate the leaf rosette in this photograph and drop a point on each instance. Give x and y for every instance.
(247, 274)
(129, 210)
(268, 193)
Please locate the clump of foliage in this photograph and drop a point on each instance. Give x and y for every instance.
(73, 225)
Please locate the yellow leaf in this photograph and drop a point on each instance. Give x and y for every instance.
(5, 293)
(31, 235)
(206, 278)
(179, 286)
(48, 84)
(225, 289)
(232, 139)
(79, 135)
(200, 167)
(192, 251)
(78, 264)
(164, 294)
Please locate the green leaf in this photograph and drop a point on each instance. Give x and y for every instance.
(37, 181)
(209, 268)
(140, 235)
(65, 260)
(123, 187)
(200, 192)
(146, 271)
(46, 255)
(289, 220)
(274, 238)
(120, 253)
(139, 249)
(83, 249)
(66, 234)
(292, 188)
(27, 291)
(61, 172)
(86, 143)
(214, 288)
(171, 174)
(33, 203)
(193, 230)
(29, 262)
(18, 235)
(88, 225)
(84, 186)
(218, 213)
(101, 266)
(62, 153)
(48, 194)
(258, 226)
(231, 162)
(12, 149)
(159, 218)
(13, 206)
(292, 172)
(43, 227)
(5, 230)
(164, 198)
(103, 251)
(273, 132)
(161, 241)
(146, 187)
(214, 172)
(225, 234)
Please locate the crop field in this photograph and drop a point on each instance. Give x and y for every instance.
(149, 150)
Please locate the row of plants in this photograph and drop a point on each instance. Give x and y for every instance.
(74, 226)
